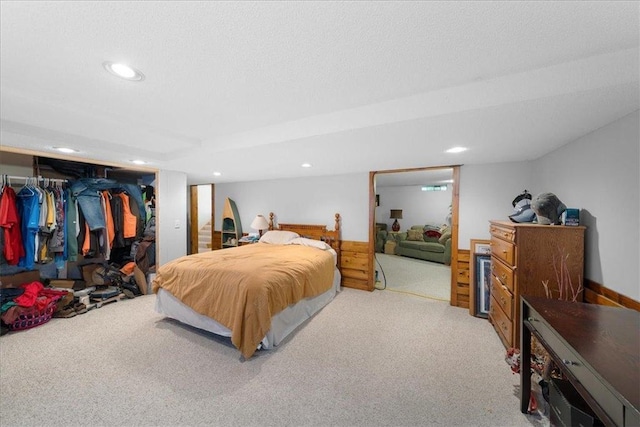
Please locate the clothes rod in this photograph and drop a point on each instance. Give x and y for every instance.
(39, 178)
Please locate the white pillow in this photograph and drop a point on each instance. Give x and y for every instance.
(278, 237)
(310, 242)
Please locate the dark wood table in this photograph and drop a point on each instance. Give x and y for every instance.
(596, 347)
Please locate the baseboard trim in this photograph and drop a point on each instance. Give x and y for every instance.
(595, 293)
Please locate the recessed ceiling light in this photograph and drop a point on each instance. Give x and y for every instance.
(306, 165)
(123, 71)
(456, 150)
(217, 173)
(65, 150)
(139, 162)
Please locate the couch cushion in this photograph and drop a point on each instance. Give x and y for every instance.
(415, 235)
(446, 235)
(422, 246)
(432, 247)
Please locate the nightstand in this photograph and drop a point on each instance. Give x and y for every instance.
(241, 243)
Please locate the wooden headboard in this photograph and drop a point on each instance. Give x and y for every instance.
(316, 232)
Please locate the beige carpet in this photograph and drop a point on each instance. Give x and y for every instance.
(414, 276)
(367, 359)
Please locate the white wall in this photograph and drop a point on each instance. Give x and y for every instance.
(418, 207)
(171, 215)
(600, 174)
(486, 193)
(313, 200)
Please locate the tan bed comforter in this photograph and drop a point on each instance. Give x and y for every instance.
(242, 288)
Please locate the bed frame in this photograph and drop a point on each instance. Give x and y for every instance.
(316, 232)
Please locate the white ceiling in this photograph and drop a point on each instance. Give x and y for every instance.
(254, 89)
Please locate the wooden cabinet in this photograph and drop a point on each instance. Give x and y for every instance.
(231, 226)
(532, 259)
(596, 347)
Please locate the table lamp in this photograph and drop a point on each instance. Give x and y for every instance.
(259, 223)
(396, 214)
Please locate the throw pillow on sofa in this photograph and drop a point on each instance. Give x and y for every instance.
(415, 235)
(433, 233)
(446, 235)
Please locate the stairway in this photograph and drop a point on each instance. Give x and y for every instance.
(204, 238)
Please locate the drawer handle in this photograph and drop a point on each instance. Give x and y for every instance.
(505, 234)
(532, 319)
(503, 276)
(569, 362)
(502, 300)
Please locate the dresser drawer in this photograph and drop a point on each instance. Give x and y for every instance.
(503, 273)
(508, 234)
(571, 362)
(503, 250)
(501, 322)
(502, 297)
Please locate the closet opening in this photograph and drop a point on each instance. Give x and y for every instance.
(82, 213)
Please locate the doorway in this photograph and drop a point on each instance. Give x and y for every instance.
(373, 201)
(201, 218)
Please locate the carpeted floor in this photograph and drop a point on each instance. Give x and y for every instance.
(367, 359)
(422, 278)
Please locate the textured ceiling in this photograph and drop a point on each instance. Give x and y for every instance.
(254, 89)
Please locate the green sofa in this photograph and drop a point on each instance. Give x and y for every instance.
(415, 243)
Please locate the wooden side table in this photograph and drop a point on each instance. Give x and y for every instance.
(393, 235)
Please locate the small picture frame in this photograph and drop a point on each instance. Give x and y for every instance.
(479, 277)
(483, 285)
(482, 248)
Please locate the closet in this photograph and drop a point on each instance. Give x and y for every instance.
(72, 212)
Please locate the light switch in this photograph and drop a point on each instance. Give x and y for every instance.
(176, 224)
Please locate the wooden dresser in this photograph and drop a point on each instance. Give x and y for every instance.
(523, 257)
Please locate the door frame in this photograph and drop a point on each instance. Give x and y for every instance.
(454, 224)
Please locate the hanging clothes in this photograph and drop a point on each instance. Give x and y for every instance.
(73, 227)
(118, 222)
(111, 232)
(29, 210)
(56, 244)
(11, 227)
(130, 220)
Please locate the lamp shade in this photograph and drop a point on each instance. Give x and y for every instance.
(259, 223)
(396, 214)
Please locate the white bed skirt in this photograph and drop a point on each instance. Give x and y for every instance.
(282, 324)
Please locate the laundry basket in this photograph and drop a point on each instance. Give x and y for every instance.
(33, 317)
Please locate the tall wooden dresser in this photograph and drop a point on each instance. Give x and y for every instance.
(524, 257)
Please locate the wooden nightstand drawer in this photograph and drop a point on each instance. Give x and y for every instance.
(502, 297)
(501, 323)
(503, 250)
(503, 273)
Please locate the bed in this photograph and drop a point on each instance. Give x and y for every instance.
(256, 294)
